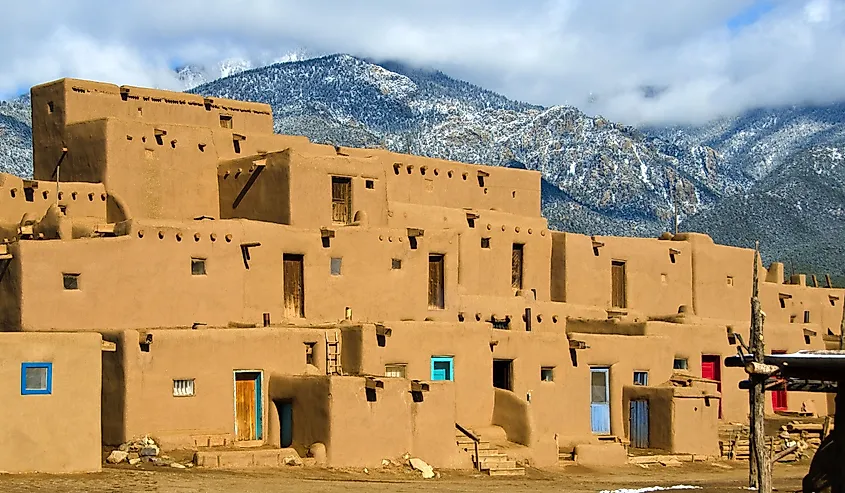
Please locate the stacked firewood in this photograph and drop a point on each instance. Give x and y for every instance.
(796, 440)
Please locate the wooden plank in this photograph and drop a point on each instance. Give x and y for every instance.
(618, 299)
(517, 265)
(294, 292)
(245, 406)
(341, 200)
(435, 281)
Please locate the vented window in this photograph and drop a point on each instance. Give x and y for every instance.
(183, 387)
(395, 370)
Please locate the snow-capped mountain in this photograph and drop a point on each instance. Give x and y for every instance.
(194, 75)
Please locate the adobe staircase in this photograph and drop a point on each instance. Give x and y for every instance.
(488, 460)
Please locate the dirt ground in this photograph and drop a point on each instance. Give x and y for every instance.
(722, 478)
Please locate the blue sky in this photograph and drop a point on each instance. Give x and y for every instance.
(714, 57)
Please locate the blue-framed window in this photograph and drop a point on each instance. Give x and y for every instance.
(36, 378)
(442, 368)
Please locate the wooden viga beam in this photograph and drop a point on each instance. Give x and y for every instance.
(795, 385)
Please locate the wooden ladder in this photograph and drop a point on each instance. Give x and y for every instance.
(333, 365)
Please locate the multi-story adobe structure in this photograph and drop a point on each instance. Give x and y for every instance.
(220, 262)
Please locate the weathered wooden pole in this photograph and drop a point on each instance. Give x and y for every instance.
(760, 471)
(842, 329)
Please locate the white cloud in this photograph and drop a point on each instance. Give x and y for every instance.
(546, 52)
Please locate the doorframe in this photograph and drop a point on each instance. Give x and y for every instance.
(605, 369)
(259, 415)
(719, 360)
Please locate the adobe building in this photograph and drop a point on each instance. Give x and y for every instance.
(258, 289)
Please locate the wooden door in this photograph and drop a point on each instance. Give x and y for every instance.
(247, 406)
(618, 298)
(294, 288)
(600, 400)
(435, 282)
(711, 369)
(341, 200)
(639, 423)
(516, 266)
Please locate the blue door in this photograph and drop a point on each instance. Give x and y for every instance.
(286, 422)
(600, 400)
(442, 368)
(639, 423)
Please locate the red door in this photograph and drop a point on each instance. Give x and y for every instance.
(711, 369)
(779, 395)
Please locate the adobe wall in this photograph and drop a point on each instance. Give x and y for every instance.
(60, 103)
(10, 289)
(658, 281)
(146, 381)
(691, 341)
(59, 432)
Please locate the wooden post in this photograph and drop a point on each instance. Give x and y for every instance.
(842, 329)
(760, 470)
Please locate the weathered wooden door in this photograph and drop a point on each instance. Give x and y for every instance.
(639, 423)
(600, 400)
(435, 282)
(711, 369)
(248, 406)
(516, 265)
(341, 200)
(294, 286)
(617, 280)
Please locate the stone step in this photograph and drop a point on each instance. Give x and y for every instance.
(566, 456)
(471, 446)
(504, 464)
(494, 458)
(512, 471)
(490, 452)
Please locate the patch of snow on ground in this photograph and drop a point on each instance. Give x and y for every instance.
(653, 488)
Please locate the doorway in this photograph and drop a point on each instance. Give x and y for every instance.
(435, 282)
(248, 409)
(285, 410)
(503, 374)
(711, 369)
(639, 423)
(779, 399)
(600, 400)
(294, 286)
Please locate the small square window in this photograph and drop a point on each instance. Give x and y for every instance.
(396, 264)
(36, 378)
(396, 370)
(336, 263)
(547, 374)
(70, 281)
(309, 353)
(198, 267)
(183, 387)
(730, 280)
(485, 242)
(226, 121)
(370, 184)
(680, 364)
(806, 317)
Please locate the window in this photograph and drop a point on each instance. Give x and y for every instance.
(370, 184)
(806, 317)
(503, 374)
(516, 266)
(547, 374)
(680, 364)
(396, 264)
(183, 387)
(36, 378)
(225, 121)
(341, 199)
(50, 107)
(336, 262)
(198, 267)
(70, 281)
(309, 353)
(29, 194)
(442, 368)
(435, 282)
(617, 280)
(395, 370)
(236, 145)
(485, 242)
(640, 378)
(730, 280)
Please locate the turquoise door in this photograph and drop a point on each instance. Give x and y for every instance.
(286, 421)
(600, 400)
(442, 368)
